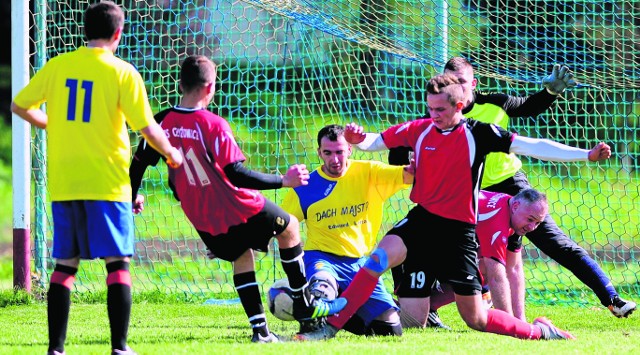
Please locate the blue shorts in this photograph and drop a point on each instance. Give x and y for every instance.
(92, 229)
(344, 269)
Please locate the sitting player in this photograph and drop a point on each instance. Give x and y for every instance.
(342, 207)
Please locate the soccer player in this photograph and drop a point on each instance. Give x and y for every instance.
(342, 207)
(437, 237)
(500, 218)
(90, 95)
(502, 174)
(219, 196)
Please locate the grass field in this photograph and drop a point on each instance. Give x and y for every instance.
(188, 328)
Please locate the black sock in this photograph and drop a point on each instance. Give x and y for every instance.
(119, 302)
(293, 266)
(249, 293)
(58, 305)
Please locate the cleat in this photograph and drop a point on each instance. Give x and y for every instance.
(310, 325)
(434, 321)
(550, 331)
(320, 308)
(270, 338)
(621, 308)
(323, 333)
(55, 352)
(126, 351)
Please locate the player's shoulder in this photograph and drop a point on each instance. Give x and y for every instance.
(209, 118)
(492, 199)
(367, 165)
(62, 59)
(364, 163)
(483, 128)
(490, 98)
(120, 65)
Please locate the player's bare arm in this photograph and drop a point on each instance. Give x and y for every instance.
(155, 136)
(515, 275)
(34, 116)
(498, 282)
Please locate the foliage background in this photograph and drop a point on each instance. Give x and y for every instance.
(5, 126)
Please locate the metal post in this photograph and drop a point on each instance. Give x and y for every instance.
(20, 148)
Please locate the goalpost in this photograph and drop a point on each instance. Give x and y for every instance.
(289, 67)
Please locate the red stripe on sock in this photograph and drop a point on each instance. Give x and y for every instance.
(63, 279)
(119, 277)
(500, 322)
(358, 292)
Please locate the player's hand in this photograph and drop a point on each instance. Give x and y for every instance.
(297, 175)
(559, 80)
(138, 204)
(354, 134)
(411, 168)
(600, 152)
(174, 158)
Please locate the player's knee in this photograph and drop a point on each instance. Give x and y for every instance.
(377, 261)
(323, 285)
(474, 319)
(291, 234)
(385, 328)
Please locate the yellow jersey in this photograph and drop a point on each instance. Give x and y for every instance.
(343, 215)
(91, 95)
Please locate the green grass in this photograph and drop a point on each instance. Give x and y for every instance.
(189, 328)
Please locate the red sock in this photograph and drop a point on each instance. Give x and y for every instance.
(500, 322)
(358, 292)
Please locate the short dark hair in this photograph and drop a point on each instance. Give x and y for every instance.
(531, 196)
(447, 84)
(332, 132)
(102, 20)
(197, 71)
(457, 63)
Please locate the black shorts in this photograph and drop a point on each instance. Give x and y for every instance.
(254, 234)
(437, 248)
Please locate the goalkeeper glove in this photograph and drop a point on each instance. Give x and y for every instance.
(559, 80)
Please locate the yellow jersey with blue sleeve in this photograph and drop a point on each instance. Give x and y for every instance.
(343, 215)
(91, 95)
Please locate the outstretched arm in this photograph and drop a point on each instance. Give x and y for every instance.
(559, 80)
(556, 83)
(546, 149)
(241, 176)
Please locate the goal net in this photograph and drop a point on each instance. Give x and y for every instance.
(289, 67)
